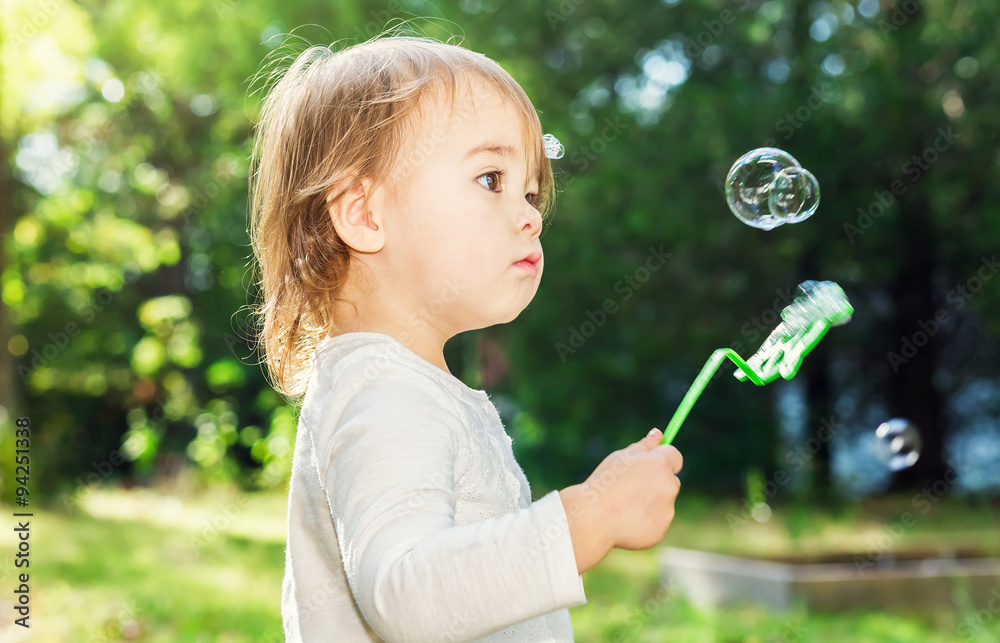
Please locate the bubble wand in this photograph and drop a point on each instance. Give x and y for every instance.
(819, 306)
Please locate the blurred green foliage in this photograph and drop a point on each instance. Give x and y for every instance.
(126, 130)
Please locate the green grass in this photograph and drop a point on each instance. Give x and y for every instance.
(147, 565)
(627, 602)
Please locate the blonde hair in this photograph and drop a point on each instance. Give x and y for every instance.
(331, 120)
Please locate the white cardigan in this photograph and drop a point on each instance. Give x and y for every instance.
(409, 518)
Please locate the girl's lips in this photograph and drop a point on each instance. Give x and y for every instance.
(530, 266)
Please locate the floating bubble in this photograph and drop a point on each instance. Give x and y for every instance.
(794, 195)
(553, 148)
(748, 185)
(898, 443)
(767, 187)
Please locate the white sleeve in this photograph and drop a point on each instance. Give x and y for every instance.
(389, 475)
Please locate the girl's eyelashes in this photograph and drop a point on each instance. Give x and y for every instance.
(494, 185)
(494, 181)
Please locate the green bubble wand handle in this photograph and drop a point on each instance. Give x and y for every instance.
(700, 382)
(805, 321)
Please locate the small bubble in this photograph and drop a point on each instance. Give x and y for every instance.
(553, 148)
(897, 444)
(794, 195)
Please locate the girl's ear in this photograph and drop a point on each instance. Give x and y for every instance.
(355, 223)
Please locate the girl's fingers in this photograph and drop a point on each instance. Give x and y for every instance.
(674, 458)
(647, 443)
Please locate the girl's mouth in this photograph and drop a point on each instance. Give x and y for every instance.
(530, 262)
(530, 266)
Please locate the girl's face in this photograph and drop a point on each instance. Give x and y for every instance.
(459, 217)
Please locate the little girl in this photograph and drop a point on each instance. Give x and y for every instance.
(398, 197)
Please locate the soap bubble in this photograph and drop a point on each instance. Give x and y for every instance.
(897, 443)
(794, 195)
(553, 148)
(767, 187)
(748, 185)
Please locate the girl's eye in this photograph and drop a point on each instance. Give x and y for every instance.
(490, 180)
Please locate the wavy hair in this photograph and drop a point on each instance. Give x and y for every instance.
(332, 119)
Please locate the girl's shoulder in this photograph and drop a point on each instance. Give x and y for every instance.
(364, 360)
(373, 380)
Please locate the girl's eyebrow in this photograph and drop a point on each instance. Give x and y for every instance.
(488, 147)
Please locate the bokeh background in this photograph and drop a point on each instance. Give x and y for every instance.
(160, 455)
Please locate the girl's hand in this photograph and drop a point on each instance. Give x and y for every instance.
(627, 502)
(637, 486)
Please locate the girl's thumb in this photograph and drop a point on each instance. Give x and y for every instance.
(651, 440)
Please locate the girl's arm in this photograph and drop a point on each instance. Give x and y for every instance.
(588, 525)
(388, 464)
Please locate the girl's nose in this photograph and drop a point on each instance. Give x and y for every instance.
(530, 219)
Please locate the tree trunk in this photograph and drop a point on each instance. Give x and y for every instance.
(8, 363)
(910, 391)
